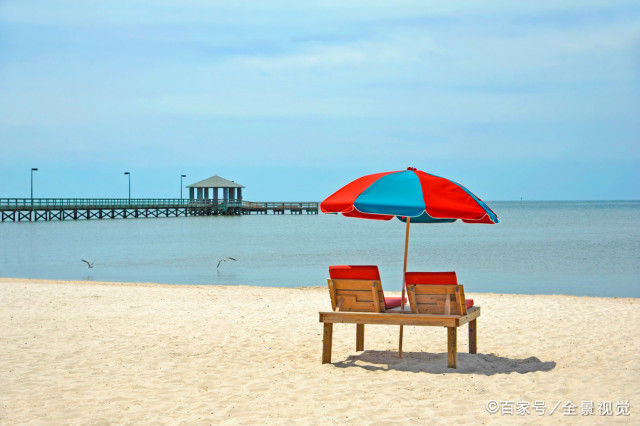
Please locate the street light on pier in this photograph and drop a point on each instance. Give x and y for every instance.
(181, 177)
(129, 175)
(33, 169)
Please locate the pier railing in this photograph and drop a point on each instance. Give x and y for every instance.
(35, 209)
(89, 202)
(270, 205)
(84, 203)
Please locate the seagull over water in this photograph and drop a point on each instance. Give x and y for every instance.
(225, 259)
(89, 264)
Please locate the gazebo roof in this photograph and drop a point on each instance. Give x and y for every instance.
(215, 182)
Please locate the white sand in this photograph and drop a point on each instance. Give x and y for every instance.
(74, 352)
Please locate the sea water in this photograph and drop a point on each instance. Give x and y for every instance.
(579, 248)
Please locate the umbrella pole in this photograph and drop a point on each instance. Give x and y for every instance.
(404, 271)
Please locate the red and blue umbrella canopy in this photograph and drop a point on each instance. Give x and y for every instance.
(423, 197)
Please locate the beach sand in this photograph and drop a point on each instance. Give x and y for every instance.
(75, 352)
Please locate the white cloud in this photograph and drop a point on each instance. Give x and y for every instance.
(406, 47)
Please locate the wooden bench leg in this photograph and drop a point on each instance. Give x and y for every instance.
(359, 337)
(452, 346)
(327, 340)
(473, 339)
(400, 342)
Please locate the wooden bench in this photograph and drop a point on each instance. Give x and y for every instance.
(361, 302)
(451, 322)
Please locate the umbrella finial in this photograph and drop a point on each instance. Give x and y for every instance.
(411, 168)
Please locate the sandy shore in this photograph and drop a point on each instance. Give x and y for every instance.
(73, 352)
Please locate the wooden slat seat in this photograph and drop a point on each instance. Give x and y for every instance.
(435, 293)
(437, 299)
(352, 288)
(356, 295)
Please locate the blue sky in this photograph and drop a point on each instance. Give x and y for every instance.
(539, 100)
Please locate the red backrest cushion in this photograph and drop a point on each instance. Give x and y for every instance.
(354, 272)
(437, 278)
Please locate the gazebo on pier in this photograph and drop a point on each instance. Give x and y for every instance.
(231, 191)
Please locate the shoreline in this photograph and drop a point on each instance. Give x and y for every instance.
(171, 285)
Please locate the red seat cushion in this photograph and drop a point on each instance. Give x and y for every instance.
(354, 272)
(392, 302)
(437, 278)
(469, 303)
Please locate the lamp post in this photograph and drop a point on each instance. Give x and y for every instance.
(33, 169)
(129, 175)
(181, 176)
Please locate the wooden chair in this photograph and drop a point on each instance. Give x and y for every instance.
(436, 293)
(357, 288)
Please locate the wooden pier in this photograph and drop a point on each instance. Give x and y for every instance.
(47, 209)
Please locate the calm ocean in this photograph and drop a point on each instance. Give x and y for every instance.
(580, 248)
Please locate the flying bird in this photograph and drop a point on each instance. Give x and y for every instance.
(89, 264)
(225, 260)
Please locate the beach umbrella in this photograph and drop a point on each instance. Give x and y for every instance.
(411, 195)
